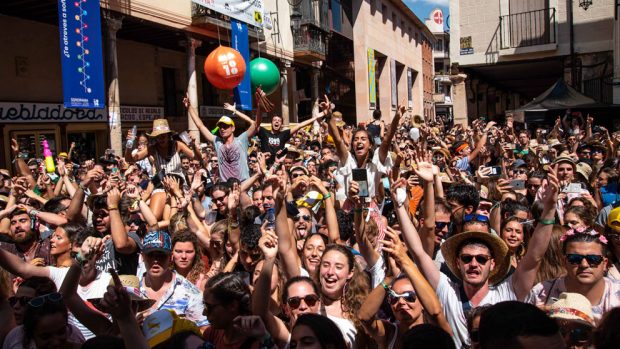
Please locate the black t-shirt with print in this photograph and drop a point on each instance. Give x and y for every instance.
(272, 143)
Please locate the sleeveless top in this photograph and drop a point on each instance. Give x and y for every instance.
(170, 164)
(374, 129)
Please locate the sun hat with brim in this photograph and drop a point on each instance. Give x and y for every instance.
(572, 307)
(597, 145)
(584, 169)
(5, 173)
(444, 151)
(499, 251)
(613, 220)
(299, 168)
(131, 284)
(160, 127)
(553, 142)
(562, 159)
(226, 121)
(4, 199)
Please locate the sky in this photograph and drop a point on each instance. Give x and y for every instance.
(422, 8)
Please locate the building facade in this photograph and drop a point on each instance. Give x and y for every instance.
(154, 52)
(509, 51)
(442, 94)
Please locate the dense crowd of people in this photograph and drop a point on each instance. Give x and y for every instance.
(394, 233)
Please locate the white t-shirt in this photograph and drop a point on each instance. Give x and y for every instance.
(547, 292)
(374, 170)
(348, 330)
(95, 289)
(449, 295)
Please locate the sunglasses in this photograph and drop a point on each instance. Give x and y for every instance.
(441, 225)
(296, 174)
(409, 296)
(221, 198)
(136, 221)
(593, 259)
(23, 300)
(615, 237)
(521, 171)
(475, 217)
(480, 258)
(305, 217)
(295, 302)
(37, 302)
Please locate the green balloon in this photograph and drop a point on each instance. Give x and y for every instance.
(264, 73)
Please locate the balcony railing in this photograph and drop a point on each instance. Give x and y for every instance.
(528, 28)
(315, 12)
(309, 41)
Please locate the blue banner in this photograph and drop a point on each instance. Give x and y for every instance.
(336, 15)
(241, 43)
(80, 54)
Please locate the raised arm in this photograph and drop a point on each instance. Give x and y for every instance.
(341, 148)
(424, 291)
(17, 266)
(268, 243)
(306, 123)
(412, 239)
(287, 247)
(122, 242)
(252, 128)
(481, 142)
(371, 306)
(359, 226)
(331, 217)
(427, 231)
(20, 164)
(387, 141)
(525, 275)
(204, 131)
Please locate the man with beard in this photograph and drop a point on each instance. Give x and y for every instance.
(26, 242)
(480, 260)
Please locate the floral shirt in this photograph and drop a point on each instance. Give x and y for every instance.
(183, 297)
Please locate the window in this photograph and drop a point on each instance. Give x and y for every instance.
(171, 99)
(384, 13)
(439, 45)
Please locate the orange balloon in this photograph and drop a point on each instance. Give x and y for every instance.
(225, 68)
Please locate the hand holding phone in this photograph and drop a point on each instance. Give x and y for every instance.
(361, 177)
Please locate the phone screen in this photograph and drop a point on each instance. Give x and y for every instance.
(517, 184)
(361, 177)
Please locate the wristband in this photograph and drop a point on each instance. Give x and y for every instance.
(385, 286)
(327, 196)
(547, 221)
(112, 208)
(34, 213)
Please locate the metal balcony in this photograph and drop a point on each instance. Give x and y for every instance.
(314, 12)
(309, 44)
(530, 28)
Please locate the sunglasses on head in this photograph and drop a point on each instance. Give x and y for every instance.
(475, 217)
(593, 259)
(23, 300)
(37, 302)
(409, 296)
(135, 221)
(295, 302)
(480, 258)
(305, 217)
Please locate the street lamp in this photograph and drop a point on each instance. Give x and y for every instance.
(585, 4)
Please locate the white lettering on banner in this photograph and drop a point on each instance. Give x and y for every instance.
(207, 111)
(135, 113)
(47, 112)
(65, 35)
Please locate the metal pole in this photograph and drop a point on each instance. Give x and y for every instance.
(573, 72)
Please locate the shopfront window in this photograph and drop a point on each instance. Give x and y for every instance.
(30, 142)
(85, 145)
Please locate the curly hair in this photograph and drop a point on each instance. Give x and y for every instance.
(228, 287)
(357, 288)
(198, 265)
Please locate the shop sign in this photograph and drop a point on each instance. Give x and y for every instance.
(250, 12)
(466, 46)
(16, 112)
(136, 113)
(207, 111)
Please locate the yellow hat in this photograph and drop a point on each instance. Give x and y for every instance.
(226, 120)
(613, 220)
(162, 324)
(63, 155)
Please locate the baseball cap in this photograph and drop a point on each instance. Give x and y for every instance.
(157, 241)
(519, 163)
(226, 120)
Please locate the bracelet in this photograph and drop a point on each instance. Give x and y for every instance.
(112, 208)
(34, 213)
(385, 286)
(327, 196)
(547, 221)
